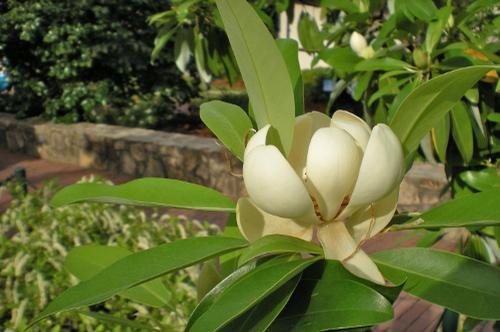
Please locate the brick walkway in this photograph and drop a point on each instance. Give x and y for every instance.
(411, 314)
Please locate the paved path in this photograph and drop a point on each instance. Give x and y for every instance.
(411, 314)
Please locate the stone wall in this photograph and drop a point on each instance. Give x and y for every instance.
(141, 152)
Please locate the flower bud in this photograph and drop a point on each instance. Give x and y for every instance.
(358, 43)
(420, 58)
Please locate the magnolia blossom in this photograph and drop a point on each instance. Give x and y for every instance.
(340, 181)
(360, 47)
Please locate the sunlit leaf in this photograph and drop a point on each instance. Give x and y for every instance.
(146, 192)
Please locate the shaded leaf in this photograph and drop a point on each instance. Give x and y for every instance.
(289, 48)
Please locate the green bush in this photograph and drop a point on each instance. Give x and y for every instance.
(34, 240)
(88, 60)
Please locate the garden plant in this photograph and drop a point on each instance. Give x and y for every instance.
(290, 257)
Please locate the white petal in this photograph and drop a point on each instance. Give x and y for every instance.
(368, 222)
(255, 223)
(381, 169)
(357, 42)
(258, 139)
(273, 185)
(332, 168)
(354, 125)
(338, 244)
(305, 126)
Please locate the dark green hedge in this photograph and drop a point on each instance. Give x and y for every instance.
(88, 60)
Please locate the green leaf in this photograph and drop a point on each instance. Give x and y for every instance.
(387, 89)
(146, 192)
(326, 302)
(265, 312)
(441, 136)
(262, 67)
(164, 35)
(362, 83)
(201, 59)
(456, 282)
(229, 123)
(245, 292)
(117, 320)
(183, 48)
(424, 106)
(276, 244)
(482, 180)
(289, 49)
(384, 64)
(86, 261)
(423, 9)
(138, 268)
(461, 131)
(342, 59)
(309, 35)
(480, 209)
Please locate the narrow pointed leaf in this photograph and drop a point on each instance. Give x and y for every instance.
(277, 244)
(229, 123)
(384, 64)
(289, 48)
(425, 105)
(453, 281)
(462, 131)
(246, 292)
(480, 209)
(441, 136)
(138, 268)
(86, 261)
(146, 192)
(262, 67)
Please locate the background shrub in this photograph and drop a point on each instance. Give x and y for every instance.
(34, 240)
(88, 60)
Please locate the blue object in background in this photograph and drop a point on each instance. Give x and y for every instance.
(328, 85)
(4, 81)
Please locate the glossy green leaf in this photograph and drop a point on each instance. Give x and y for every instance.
(262, 67)
(461, 131)
(423, 9)
(183, 48)
(384, 64)
(480, 209)
(245, 292)
(138, 268)
(229, 123)
(260, 317)
(276, 244)
(310, 37)
(425, 105)
(117, 321)
(482, 180)
(146, 192)
(289, 48)
(456, 282)
(86, 261)
(327, 302)
(342, 59)
(441, 136)
(201, 59)
(387, 89)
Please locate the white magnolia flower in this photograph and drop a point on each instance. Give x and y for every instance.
(341, 179)
(360, 47)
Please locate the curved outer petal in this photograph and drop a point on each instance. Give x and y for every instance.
(338, 244)
(381, 169)
(373, 219)
(332, 168)
(357, 42)
(255, 223)
(258, 139)
(273, 185)
(354, 125)
(305, 126)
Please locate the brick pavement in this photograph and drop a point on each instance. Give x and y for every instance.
(411, 314)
